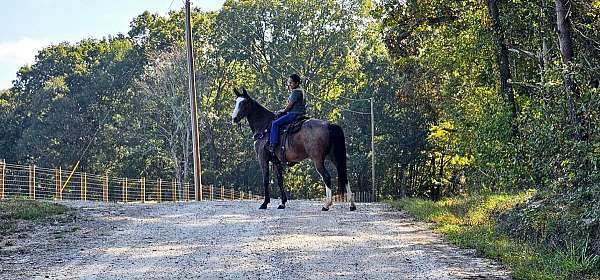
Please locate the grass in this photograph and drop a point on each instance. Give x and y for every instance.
(23, 209)
(470, 222)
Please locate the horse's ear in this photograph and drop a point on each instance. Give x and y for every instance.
(237, 93)
(245, 93)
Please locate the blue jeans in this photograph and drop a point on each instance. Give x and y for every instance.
(285, 119)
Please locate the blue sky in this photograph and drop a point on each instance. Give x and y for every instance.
(26, 26)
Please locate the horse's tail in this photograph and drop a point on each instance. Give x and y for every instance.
(337, 141)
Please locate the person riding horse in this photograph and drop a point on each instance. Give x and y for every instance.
(296, 107)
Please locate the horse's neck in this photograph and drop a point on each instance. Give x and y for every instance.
(260, 118)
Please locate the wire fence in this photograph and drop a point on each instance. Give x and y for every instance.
(33, 182)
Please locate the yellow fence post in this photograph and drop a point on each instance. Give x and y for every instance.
(143, 189)
(105, 188)
(2, 172)
(186, 192)
(34, 182)
(83, 191)
(81, 186)
(159, 190)
(56, 184)
(124, 190)
(174, 189)
(31, 181)
(199, 192)
(60, 183)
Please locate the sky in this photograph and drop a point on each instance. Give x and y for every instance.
(27, 26)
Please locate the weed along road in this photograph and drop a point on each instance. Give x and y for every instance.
(235, 240)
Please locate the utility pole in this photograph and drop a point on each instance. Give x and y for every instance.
(373, 151)
(193, 104)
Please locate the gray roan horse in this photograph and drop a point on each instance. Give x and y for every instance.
(318, 140)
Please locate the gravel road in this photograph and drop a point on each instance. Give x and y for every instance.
(236, 240)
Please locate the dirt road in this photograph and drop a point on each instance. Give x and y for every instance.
(235, 240)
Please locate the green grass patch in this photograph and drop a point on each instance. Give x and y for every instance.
(470, 222)
(24, 209)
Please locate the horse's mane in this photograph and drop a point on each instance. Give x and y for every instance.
(260, 107)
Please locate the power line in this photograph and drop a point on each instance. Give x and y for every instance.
(169, 9)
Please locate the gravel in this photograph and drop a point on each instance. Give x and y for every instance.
(236, 240)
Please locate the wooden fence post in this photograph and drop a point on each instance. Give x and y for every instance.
(60, 183)
(124, 195)
(186, 191)
(143, 189)
(105, 188)
(159, 190)
(34, 182)
(200, 192)
(81, 186)
(232, 194)
(2, 172)
(222, 193)
(83, 191)
(174, 187)
(56, 184)
(31, 181)
(211, 192)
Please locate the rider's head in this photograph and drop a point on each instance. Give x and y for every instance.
(293, 81)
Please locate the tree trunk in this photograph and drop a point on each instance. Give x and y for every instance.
(402, 182)
(563, 25)
(503, 63)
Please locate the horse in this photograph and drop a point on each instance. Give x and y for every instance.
(317, 139)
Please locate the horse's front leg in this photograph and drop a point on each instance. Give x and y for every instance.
(280, 183)
(264, 166)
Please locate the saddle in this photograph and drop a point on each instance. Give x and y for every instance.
(284, 133)
(293, 127)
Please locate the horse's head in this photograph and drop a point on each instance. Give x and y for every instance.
(242, 105)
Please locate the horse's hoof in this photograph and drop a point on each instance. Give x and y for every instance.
(353, 208)
(281, 206)
(324, 209)
(264, 206)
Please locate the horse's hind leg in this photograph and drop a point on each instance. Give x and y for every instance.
(320, 166)
(280, 183)
(343, 182)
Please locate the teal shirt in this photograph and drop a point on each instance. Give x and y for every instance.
(297, 97)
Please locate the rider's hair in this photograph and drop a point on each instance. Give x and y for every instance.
(295, 78)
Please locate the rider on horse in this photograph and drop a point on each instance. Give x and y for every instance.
(295, 108)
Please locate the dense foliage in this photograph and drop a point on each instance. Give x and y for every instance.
(469, 97)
